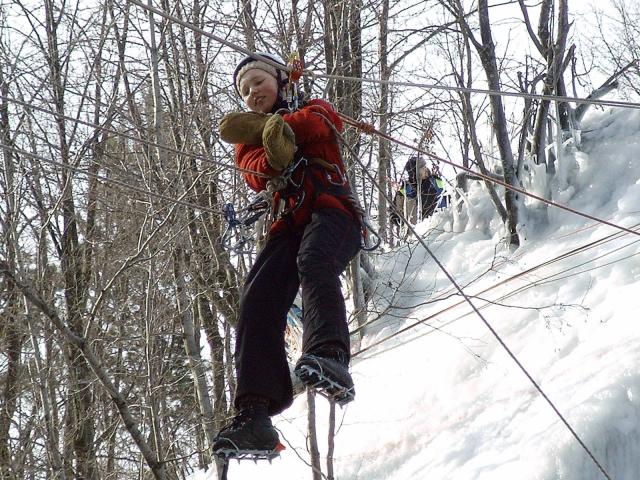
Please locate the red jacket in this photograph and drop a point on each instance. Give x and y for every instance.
(314, 139)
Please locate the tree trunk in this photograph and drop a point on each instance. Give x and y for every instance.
(384, 149)
(80, 395)
(247, 19)
(488, 57)
(193, 352)
(331, 436)
(554, 55)
(11, 331)
(313, 436)
(343, 53)
(42, 382)
(153, 366)
(475, 144)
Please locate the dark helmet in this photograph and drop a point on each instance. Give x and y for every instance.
(249, 62)
(414, 164)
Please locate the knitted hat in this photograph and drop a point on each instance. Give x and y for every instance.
(250, 63)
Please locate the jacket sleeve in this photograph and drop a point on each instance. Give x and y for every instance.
(310, 122)
(252, 158)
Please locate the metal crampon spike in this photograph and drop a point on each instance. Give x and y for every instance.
(255, 455)
(327, 387)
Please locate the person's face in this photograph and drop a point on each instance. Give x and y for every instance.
(424, 173)
(259, 90)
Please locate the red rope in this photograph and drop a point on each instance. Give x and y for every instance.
(372, 130)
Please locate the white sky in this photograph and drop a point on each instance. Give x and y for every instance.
(514, 48)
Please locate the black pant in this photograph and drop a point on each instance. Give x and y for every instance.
(312, 259)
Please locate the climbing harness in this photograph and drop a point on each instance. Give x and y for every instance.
(341, 187)
(239, 236)
(370, 239)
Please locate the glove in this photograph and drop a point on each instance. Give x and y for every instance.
(279, 142)
(243, 127)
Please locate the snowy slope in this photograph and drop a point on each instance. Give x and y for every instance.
(444, 400)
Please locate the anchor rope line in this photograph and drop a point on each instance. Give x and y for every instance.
(446, 294)
(119, 183)
(493, 93)
(133, 138)
(479, 314)
(238, 48)
(548, 278)
(368, 128)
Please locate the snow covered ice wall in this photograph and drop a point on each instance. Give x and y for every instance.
(443, 401)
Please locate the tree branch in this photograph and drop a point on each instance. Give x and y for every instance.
(97, 367)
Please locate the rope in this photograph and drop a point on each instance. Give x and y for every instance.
(413, 231)
(132, 138)
(475, 309)
(546, 263)
(500, 93)
(238, 48)
(497, 336)
(126, 185)
(369, 128)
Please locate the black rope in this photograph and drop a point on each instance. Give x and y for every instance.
(238, 48)
(413, 231)
(480, 315)
(133, 138)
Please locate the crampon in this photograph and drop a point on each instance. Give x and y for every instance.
(317, 377)
(231, 453)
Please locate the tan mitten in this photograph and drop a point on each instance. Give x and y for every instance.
(279, 142)
(243, 127)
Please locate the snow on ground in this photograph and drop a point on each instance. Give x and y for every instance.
(444, 400)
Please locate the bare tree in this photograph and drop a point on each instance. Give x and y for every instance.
(384, 152)
(114, 280)
(486, 51)
(12, 334)
(553, 51)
